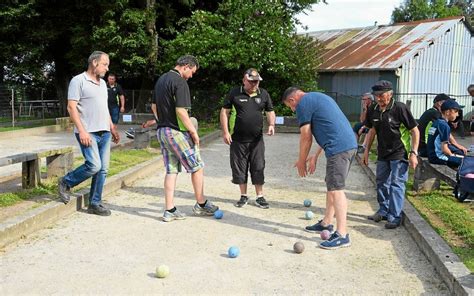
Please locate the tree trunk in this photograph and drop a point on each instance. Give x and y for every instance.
(144, 96)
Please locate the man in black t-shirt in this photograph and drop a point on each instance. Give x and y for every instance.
(428, 117)
(116, 98)
(247, 149)
(178, 137)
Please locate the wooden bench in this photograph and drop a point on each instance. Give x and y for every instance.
(428, 176)
(58, 162)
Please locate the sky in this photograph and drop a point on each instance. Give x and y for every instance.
(340, 14)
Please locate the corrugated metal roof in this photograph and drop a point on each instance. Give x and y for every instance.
(379, 47)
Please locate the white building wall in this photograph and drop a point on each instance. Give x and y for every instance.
(446, 66)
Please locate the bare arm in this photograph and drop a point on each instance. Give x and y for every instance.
(453, 141)
(415, 138)
(370, 139)
(122, 103)
(306, 140)
(84, 136)
(271, 123)
(183, 115)
(224, 119)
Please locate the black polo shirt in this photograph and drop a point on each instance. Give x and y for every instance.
(171, 91)
(114, 93)
(393, 130)
(428, 116)
(249, 113)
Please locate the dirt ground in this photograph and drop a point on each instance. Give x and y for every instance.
(86, 254)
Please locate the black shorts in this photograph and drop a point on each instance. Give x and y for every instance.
(247, 156)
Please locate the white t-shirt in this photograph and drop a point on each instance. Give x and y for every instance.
(91, 102)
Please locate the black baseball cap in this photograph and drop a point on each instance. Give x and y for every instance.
(252, 75)
(381, 87)
(450, 104)
(441, 97)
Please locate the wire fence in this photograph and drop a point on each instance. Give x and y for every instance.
(22, 104)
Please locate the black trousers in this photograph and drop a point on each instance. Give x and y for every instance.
(245, 157)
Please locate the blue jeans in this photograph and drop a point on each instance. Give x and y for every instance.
(114, 114)
(96, 165)
(391, 176)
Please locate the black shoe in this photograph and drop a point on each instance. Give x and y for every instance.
(318, 227)
(377, 217)
(262, 203)
(242, 201)
(130, 133)
(64, 191)
(391, 225)
(98, 210)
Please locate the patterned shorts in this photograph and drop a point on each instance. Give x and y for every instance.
(179, 151)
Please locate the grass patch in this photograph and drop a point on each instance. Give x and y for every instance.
(452, 220)
(45, 122)
(11, 198)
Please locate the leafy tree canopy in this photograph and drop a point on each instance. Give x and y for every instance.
(414, 10)
(244, 34)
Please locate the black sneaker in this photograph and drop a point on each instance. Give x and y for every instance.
(64, 191)
(318, 227)
(391, 225)
(130, 133)
(98, 210)
(377, 217)
(242, 201)
(261, 203)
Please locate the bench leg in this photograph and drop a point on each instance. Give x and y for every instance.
(425, 179)
(31, 177)
(59, 165)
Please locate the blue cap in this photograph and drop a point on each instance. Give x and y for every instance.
(450, 104)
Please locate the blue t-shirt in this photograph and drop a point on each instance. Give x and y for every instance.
(437, 134)
(329, 125)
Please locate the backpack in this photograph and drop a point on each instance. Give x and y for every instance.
(465, 179)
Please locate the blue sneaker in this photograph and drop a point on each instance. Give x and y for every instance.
(318, 227)
(336, 241)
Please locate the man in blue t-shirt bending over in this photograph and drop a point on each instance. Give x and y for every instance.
(319, 116)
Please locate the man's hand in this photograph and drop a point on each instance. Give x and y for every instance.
(85, 138)
(195, 137)
(271, 130)
(301, 166)
(413, 160)
(312, 163)
(148, 123)
(365, 158)
(122, 110)
(227, 138)
(115, 135)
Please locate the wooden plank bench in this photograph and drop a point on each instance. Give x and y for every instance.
(428, 176)
(58, 162)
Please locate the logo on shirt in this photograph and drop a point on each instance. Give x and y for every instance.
(243, 100)
(258, 100)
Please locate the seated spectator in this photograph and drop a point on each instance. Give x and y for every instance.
(427, 118)
(470, 90)
(440, 150)
(359, 128)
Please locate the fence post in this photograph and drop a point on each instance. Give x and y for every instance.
(12, 102)
(42, 105)
(133, 102)
(426, 101)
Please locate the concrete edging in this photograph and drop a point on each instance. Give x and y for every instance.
(35, 219)
(452, 270)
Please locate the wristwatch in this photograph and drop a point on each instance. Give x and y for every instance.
(414, 152)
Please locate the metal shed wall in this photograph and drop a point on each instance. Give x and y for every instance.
(446, 66)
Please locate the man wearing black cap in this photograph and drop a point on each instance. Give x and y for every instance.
(428, 117)
(394, 124)
(247, 149)
(440, 151)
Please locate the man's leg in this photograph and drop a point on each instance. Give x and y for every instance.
(197, 178)
(340, 207)
(257, 171)
(383, 172)
(398, 178)
(98, 180)
(239, 165)
(330, 211)
(169, 186)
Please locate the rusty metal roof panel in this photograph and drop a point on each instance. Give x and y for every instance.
(380, 47)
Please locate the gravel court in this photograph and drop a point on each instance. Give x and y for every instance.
(85, 254)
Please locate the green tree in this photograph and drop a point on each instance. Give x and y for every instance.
(240, 35)
(414, 10)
